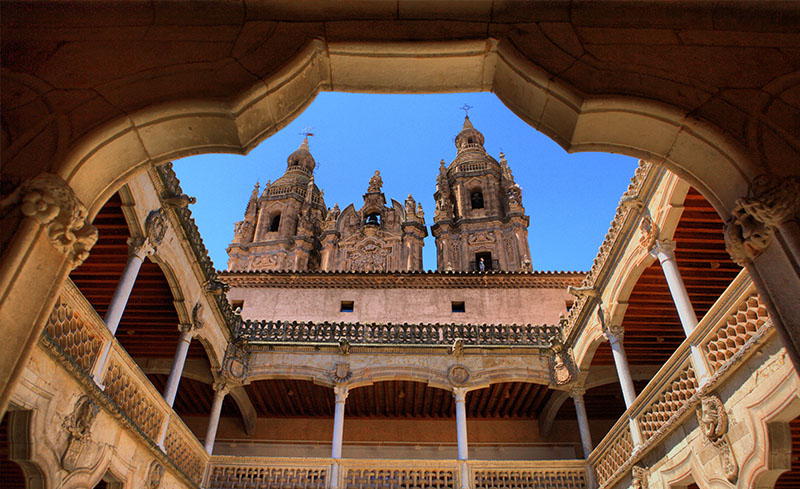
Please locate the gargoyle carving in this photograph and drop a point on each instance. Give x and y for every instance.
(78, 425)
(714, 424)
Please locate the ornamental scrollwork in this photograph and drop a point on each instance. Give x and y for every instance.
(48, 199)
(713, 422)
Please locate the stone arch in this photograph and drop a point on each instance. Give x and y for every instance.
(703, 154)
(22, 452)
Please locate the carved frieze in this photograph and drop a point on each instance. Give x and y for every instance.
(713, 422)
(78, 426)
(49, 200)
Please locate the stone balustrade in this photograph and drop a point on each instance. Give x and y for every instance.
(80, 334)
(736, 322)
(259, 472)
(372, 334)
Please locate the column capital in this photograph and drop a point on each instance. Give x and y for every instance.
(140, 247)
(614, 333)
(576, 393)
(341, 391)
(49, 200)
(772, 200)
(221, 388)
(663, 246)
(460, 394)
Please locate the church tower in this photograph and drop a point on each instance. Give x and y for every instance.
(480, 223)
(280, 228)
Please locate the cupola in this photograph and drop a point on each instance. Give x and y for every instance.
(469, 137)
(301, 159)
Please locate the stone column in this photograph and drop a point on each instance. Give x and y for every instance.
(341, 392)
(460, 395)
(220, 391)
(664, 250)
(187, 333)
(583, 420)
(614, 335)
(138, 249)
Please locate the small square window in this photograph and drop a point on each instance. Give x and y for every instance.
(347, 306)
(458, 306)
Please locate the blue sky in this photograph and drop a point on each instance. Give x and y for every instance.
(570, 198)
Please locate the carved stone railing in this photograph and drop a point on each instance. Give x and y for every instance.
(172, 186)
(278, 191)
(543, 474)
(728, 332)
(286, 332)
(262, 472)
(265, 472)
(75, 327)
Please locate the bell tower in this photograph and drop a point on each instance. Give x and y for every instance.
(480, 223)
(280, 228)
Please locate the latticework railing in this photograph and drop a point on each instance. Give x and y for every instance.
(267, 473)
(80, 333)
(733, 334)
(397, 334)
(675, 393)
(615, 454)
(188, 456)
(69, 329)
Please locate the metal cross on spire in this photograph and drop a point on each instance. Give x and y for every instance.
(307, 131)
(466, 109)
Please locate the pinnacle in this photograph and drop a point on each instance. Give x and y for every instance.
(304, 144)
(467, 124)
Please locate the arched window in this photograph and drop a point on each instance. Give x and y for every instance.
(275, 223)
(477, 199)
(373, 219)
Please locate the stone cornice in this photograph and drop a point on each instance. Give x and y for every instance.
(404, 280)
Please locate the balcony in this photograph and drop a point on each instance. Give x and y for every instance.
(488, 266)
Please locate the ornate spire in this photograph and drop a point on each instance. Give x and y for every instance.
(252, 205)
(301, 158)
(469, 137)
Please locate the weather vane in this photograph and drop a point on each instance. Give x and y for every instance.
(466, 108)
(307, 131)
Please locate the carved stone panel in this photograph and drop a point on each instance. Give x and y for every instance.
(78, 426)
(714, 424)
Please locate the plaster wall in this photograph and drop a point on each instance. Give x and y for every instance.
(490, 306)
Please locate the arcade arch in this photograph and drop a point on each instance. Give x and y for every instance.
(97, 165)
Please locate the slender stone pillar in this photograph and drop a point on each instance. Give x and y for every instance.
(220, 391)
(460, 395)
(664, 250)
(138, 249)
(614, 335)
(341, 392)
(583, 420)
(187, 333)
